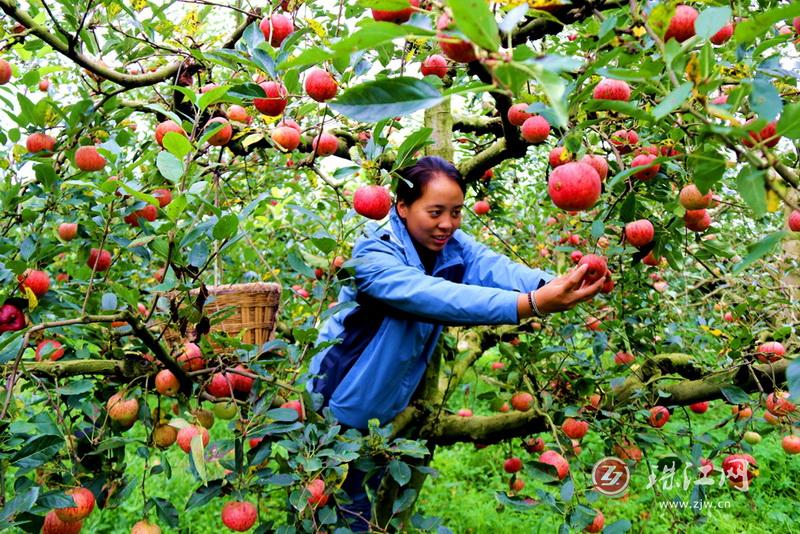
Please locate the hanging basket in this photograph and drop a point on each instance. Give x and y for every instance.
(252, 308)
(249, 308)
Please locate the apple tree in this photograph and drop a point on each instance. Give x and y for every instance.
(152, 150)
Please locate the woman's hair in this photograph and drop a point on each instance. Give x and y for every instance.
(413, 179)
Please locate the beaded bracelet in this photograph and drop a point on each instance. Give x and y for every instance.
(534, 308)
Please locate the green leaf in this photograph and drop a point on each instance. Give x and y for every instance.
(671, 102)
(400, 472)
(299, 265)
(618, 527)
(759, 250)
(735, 395)
(793, 379)
(789, 125)
(204, 494)
(76, 388)
(405, 501)
(409, 146)
(381, 99)
(750, 185)
(20, 503)
(765, 100)
(758, 23)
(166, 510)
(711, 20)
(707, 166)
(384, 5)
(212, 96)
(177, 144)
(628, 108)
(169, 166)
(197, 456)
(476, 20)
(555, 88)
(226, 227)
(567, 490)
(199, 254)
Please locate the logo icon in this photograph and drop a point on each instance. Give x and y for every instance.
(611, 476)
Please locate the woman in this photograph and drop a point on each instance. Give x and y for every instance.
(412, 277)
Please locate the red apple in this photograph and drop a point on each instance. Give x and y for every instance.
(148, 213)
(557, 461)
(121, 409)
(623, 358)
(49, 348)
(37, 281)
(481, 207)
(274, 101)
(5, 71)
(88, 159)
(286, 138)
(659, 415)
(399, 16)
(648, 168)
(223, 135)
(598, 163)
(639, 233)
(237, 113)
(574, 429)
(681, 25)
(320, 85)
(239, 515)
(297, 406)
(722, 36)
(598, 266)
(435, 65)
(771, 351)
(276, 28)
(535, 129)
(699, 407)
(316, 490)
(84, 504)
(691, 198)
(67, 231)
(624, 140)
(168, 126)
(186, 434)
(167, 383)
(609, 89)
(372, 201)
(791, 444)
(574, 186)
(54, 525)
(454, 48)
(522, 401)
(512, 465)
(325, 144)
(794, 221)
(517, 115)
(40, 142)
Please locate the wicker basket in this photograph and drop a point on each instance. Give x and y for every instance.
(254, 309)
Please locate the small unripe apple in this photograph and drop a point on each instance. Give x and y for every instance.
(753, 438)
(164, 436)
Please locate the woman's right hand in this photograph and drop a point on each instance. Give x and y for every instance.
(565, 292)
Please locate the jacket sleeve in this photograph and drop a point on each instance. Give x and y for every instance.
(381, 274)
(488, 268)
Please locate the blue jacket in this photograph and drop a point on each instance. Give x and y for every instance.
(388, 338)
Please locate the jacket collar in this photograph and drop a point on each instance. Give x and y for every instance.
(449, 255)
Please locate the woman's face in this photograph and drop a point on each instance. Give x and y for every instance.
(433, 217)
